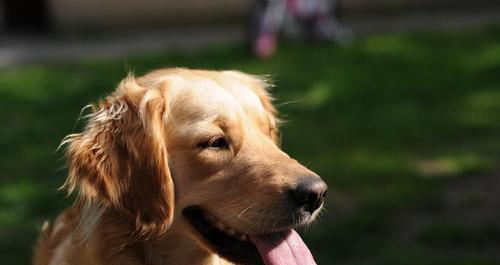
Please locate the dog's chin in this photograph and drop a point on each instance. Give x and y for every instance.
(224, 241)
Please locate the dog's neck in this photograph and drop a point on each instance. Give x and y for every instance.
(180, 249)
(176, 247)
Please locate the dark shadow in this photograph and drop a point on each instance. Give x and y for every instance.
(26, 16)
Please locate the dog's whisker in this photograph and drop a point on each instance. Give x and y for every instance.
(244, 211)
(250, 228)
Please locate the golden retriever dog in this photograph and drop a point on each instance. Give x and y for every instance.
(182, 167)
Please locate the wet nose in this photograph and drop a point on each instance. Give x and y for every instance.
(310, 193)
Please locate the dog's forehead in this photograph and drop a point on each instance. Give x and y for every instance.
(207, 96)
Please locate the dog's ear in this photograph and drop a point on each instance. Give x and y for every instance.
(260, 85)
(120, 159)
(272, 113)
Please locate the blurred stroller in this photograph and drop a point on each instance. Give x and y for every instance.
(309, 19)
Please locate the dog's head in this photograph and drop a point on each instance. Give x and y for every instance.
(197, 149)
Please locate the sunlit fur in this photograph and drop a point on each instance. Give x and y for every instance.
(138, 163)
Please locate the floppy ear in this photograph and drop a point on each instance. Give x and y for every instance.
(120, 159)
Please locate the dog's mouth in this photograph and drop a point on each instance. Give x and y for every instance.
(277, 248)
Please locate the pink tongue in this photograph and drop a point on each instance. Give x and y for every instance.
(286, 248)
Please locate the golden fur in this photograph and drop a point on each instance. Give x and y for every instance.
(143, 139)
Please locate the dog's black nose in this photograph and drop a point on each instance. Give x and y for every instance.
(310, 193)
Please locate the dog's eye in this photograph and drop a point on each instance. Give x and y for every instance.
(216, 143)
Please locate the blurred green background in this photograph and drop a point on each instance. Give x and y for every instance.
(404, 127)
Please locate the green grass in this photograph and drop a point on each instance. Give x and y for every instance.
(405, 128)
